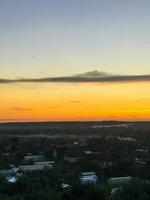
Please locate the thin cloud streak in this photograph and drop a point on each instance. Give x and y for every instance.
(17, 108)
(93, 76)
(75, 101)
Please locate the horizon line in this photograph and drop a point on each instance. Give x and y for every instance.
(69, 121)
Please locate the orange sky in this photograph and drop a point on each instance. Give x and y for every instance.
(86, 101)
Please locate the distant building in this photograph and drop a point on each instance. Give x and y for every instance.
(11, 179)
(34, 158)
(76, 143)
(116, 138)
(142, 151)
(10, 175)
(143, 155)
(87, 173)
(45, 163)
(117, 182)
(65, 186)
(88, 178)
(8, 172)
(140, 163)
(32, 168)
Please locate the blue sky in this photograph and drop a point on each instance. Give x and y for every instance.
(41, 38)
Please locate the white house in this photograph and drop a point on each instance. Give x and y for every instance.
(31, 168)
(117, 182)
(35, 158)
(88, 178)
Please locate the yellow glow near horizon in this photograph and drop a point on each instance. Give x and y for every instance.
(90, 101)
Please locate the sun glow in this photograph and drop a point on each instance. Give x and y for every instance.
(90, 101)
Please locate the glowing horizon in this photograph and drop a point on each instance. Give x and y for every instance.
(75, 102)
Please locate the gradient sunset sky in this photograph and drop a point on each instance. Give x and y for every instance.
(74, 60)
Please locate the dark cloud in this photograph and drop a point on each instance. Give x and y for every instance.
(75, 101)
(93, 76)
(94, 73)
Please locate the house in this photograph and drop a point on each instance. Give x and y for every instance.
(140, 163)
(143, 155)
(87, 173)
(45, 163)
(88, 178)
(10, 175)
(117, 182)
(118, 139)
(142, 160)
(142, 151)
(11, 179)
(65, 186)
(126, 139)
(8, 172)
(34, 158)
(32, 168)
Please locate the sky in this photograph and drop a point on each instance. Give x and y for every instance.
(74, 60)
